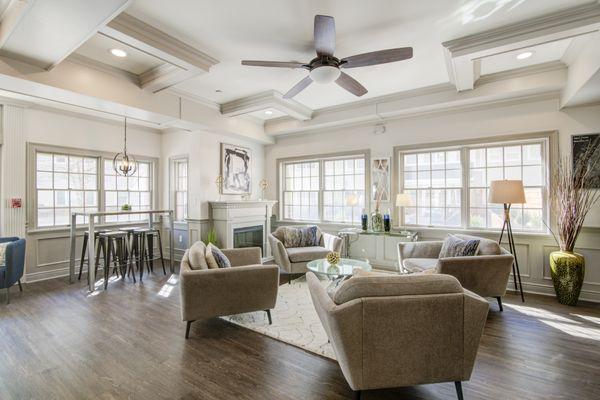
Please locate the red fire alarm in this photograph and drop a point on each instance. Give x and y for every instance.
(15, 203)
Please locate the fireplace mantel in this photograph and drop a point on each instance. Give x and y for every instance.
(230, 215)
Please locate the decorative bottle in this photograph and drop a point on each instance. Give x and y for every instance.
(386, 221)
(377, 221)
(364, 220)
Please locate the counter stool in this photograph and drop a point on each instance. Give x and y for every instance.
(115, 240)
(100, 245)
(146, 247)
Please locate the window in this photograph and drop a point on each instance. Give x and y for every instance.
(66, 181)
(518, 161)
(180, 169)
(433, 180)
(329, 189)
(64, 184)
(301, 191)
(133, 190)
(449, 187)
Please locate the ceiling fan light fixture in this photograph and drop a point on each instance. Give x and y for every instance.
(325, 74)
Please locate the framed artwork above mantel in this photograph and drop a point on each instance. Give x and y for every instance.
(236, 169)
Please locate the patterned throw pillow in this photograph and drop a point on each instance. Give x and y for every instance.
(305, 236)
(215, 258)
(3, 253)
(457, 247)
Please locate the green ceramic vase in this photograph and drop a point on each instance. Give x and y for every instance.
(567, 269)
(377, 221)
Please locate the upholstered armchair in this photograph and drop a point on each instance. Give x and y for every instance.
(293, 260)
(246, 286)
(14, 264)
(401, 330)
(486, 273)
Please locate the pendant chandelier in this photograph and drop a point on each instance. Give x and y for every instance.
(123, 163)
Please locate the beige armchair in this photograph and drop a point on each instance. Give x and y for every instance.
(486, 273)
(246, 286)
(401, 330)
(293, 260)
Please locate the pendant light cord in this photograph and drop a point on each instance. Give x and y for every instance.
(125, 144)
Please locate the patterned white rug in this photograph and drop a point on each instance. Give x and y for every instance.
(295, 320)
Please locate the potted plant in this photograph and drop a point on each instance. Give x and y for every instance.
(572, 198)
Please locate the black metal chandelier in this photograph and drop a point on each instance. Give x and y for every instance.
(123, 163)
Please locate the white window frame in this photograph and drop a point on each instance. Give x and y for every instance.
(174, 185)
(549, 152)
(281, 163)
(32, 203)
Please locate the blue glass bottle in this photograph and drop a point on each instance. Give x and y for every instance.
(364, 220)
(386, 221)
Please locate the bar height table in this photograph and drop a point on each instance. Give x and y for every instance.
(92, 240)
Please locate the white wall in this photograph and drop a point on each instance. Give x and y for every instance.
(203, 151)
(47, 250)
(524, 117)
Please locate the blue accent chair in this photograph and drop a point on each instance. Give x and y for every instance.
(14, 264)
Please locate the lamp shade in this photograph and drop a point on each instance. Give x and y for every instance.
(403, 200)
(507, 192)
(352, 200)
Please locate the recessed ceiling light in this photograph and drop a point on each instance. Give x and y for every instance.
(524, 55)
(118, 53)
(218, 91)
(268, 112)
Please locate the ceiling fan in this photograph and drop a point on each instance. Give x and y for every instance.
(325, 68)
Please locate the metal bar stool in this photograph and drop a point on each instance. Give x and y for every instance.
(131, 253)
(100, 245)
(146, 247)
(115, 240)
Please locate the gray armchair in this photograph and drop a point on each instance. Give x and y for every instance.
(246, 286)
(293, 260)
(401, 330)
(486, 274)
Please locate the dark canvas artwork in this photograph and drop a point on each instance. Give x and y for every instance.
(236, 169)
(580, 144)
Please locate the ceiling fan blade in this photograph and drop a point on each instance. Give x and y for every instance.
(377, 57)
(324, 35)
(276, 64)
(298, 87)
(350, 84)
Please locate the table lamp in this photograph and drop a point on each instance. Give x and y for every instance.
(403, 200)
(508, 192)
(352, 200)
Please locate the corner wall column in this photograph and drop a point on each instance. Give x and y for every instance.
(13, 171)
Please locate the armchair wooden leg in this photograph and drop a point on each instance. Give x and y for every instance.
(357, 394)
(269, 316)
(187, 329)
(20, 286)
(459, 393)
(7, 295)
(500, 303)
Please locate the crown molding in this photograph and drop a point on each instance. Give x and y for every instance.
(523, 71)
(100, 66)
(576, 17)
(268, 99)
(134, 32)
(464, 55)
(184, 94)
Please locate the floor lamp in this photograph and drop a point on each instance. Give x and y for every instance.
(507, 193)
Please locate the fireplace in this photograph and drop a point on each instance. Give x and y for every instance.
(243, 223)
(249, 236)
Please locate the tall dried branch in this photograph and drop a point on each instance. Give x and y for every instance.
(572, 194)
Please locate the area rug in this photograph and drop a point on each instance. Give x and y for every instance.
(295, 320)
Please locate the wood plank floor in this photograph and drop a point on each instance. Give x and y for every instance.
(58, 342)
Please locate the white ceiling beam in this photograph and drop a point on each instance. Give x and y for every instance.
(263, 101)
(464, 54)
(583, 78)
(44, 32)
(182, 61)
(501, 88)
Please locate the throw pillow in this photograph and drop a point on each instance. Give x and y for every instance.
(197, 256)
(3, 253)
(305, 236)
(335, 285)
(216, 258)
(457, 247)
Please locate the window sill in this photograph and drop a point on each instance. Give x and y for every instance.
(478, 232)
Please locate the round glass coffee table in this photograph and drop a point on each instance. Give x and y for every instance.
(343, 268)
